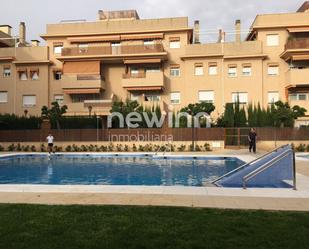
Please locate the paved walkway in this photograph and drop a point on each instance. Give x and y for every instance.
(210, 197)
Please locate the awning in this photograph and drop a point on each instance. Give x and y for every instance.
(82, 91)
(57, 69)
(147, 88)
(300, 57)
(298, 30)
(94, 39)
(81, 67)
(21, 69)
(142, 61)
(143, 36)
(7, 58)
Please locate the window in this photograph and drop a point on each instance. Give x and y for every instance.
(246, 70)
(174, 42)
(58, 49)
(273, 97)
(135, 96)
(206, 96)
(298, 96)
(242, 98)
(57, 75)
(116, 47)
(153, 69)
(83, 47)
(59, 99)
(6, 71)
(34, 74)
(29, 100)
(80, 98)
(134, 71)
(149, 97)
(212, 69)
(273, 70)
(198, 69)
(3, 97)
(175, 97)
(272, 40)
(149, 42)
(175, 71)
(23, 74)
(232, 71)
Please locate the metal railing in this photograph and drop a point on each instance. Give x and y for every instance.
(134, 75)
(247, 164)
(268, 165)
(109, 50)
(297, 43)
(89, 77)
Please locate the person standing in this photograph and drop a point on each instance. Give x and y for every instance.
(50, 142)
(252, 140)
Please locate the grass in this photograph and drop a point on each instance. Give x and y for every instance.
(35, 226)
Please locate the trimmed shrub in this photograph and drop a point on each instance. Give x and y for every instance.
(14, 122)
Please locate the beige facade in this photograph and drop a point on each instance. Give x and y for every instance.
(87, 65)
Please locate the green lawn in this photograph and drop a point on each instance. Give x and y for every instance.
(34, 226)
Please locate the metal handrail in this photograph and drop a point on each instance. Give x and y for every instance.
(268, 165)
(247, 164)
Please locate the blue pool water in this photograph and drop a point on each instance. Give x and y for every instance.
(113, 170)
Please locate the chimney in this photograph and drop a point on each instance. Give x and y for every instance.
(6, 29)
(35, 43)
(221, 38)
(238, 31)
(197, 32)
(22, 33)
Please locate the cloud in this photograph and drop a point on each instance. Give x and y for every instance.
(213, 14)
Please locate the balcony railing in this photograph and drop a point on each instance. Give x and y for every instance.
(147, 80)
(297, 43)
(295, 76)
(83, 81)
(134, 75)
(121, 50)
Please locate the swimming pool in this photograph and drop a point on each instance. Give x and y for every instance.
(114, 170)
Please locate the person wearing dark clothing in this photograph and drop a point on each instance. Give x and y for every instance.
(252, 140)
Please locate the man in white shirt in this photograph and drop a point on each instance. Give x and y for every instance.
(50, 142)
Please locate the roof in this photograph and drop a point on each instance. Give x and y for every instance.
(304, 7)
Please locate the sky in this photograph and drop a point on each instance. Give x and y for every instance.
(213, 14)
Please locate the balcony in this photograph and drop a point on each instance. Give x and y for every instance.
(296, 49)
(297, 77)
(297, 43)
(83, 82)
(112, 52)
(146, 81)
(100, 107)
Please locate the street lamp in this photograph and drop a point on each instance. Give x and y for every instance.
(98, 118)
(90, 109)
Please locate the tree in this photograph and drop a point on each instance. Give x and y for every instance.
(285, 116)
(194, 109)
(242, 118)
(55, 113)
(228, 116)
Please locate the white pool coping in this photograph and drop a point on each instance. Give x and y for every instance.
(165, 192)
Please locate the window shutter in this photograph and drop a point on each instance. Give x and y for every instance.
(29, 100)
(3, 97)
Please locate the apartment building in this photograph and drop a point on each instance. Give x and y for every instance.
(88, 65)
